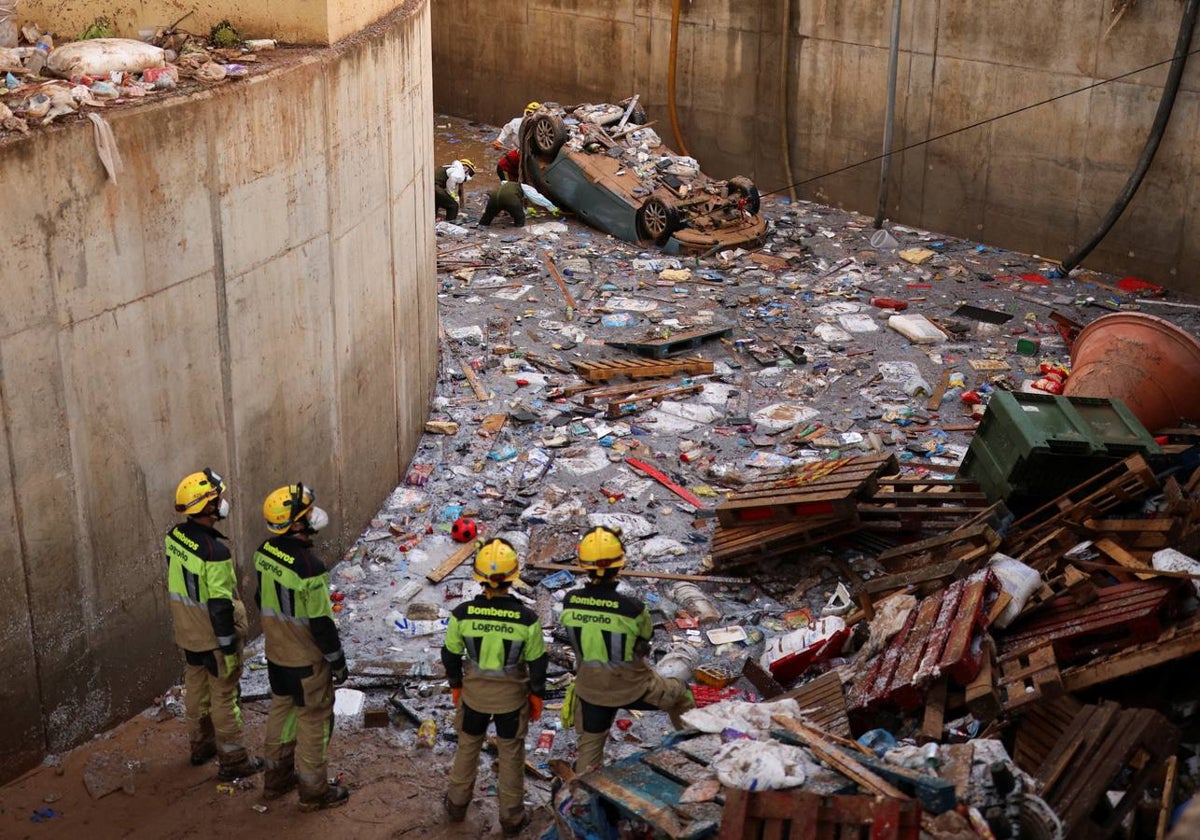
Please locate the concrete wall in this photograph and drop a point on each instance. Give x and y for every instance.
(291, 21)
(256, 294)
(1038, 182)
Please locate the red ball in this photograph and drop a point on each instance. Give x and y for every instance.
(464, 529)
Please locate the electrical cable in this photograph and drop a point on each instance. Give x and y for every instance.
(671, 78)
(1166, 105)
(982, 122)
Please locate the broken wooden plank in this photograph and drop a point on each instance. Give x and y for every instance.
(1179, 641)
(456, 559)
(562, 286)
(838, 760)
(935, 713)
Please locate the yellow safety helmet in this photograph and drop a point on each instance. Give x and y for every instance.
(468, 163)
(196, 491)
(285, 506)
(601, 549)
(496, 563)
(531, 107)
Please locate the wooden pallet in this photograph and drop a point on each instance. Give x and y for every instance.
(938, 638)
(1031, 677)
(1104, 748)
(1123, 615)
(625, 406)
(823, 703)
(913, 505)
(773, 815)
(676, 343)
(732, 547)
(1119, 484)
(912, 555)
(817, 489)
(1180, 640)
(1040, 727)
(606, 369)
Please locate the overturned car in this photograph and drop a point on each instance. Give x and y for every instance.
(612, 170)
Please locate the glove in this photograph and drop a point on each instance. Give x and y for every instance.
(456, 696)
(340, 672)
(232, 663)
(535, 707)
(497, 145)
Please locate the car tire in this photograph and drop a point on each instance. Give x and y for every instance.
(744, 187)
(657, 219)
(546, 134)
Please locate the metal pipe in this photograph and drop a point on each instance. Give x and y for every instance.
(1166, 105)
(889, 119)
(785, 39)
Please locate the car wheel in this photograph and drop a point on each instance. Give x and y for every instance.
(547, 134)
(745, 188)
(657, 219)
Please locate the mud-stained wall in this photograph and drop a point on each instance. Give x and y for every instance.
(1038, 182)
(257, 294)
(291, 21)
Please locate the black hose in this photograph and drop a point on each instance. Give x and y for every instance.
(1165, 106)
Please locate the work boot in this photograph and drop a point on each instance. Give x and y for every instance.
(333, 796)
(512, 829)
(455, 813)
(204, 743)
(280, 777)
(230, 770)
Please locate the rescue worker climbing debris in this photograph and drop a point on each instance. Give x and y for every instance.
(512, 198)
(610, 633)
(304, 652)
(448, 183)
(511, 130)
(210, 625)
(495, 660)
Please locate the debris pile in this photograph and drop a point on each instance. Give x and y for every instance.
(44, 81)
(783, 458)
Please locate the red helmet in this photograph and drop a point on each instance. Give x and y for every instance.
(464, 529)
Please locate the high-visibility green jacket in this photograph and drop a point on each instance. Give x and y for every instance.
(293, 595)
(610, 633)
(505, 656)
(202, 585)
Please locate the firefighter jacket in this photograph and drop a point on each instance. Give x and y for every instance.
(293, 595)
(610, 633)
(202, 584)
(500, 640)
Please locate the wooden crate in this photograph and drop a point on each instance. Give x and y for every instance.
(798, 815)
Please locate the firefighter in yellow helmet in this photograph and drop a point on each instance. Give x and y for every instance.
(304, 652)
(210, 624)
(511, 132)
(495, 660)
(610, 633)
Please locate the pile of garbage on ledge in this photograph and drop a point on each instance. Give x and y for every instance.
(897, 616)
(47, 77)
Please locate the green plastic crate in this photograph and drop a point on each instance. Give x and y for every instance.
(1034, 447)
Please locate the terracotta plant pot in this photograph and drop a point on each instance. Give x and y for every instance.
(1151, 364)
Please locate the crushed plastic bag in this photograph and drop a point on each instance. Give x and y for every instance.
(106, 146)
(762, 765)
(1018, 580)
(751, 718)
(101, 56)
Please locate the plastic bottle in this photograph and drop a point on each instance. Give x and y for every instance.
(691, 599)
(427, 733)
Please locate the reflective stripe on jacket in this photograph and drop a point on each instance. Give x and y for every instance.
(202, 585)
